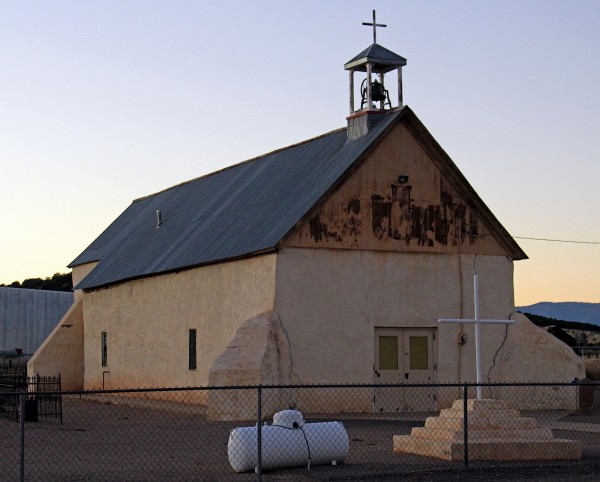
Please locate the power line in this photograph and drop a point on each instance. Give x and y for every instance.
(557, 240)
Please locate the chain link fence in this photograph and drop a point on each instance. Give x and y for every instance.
(309, 432)
(45, 404)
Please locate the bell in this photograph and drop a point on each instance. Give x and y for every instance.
(377, 92)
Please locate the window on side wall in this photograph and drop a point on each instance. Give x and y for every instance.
(104, 348)
(193, 363)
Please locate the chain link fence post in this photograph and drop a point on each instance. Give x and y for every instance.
(259, 433)
(22, 436)
(465, 426)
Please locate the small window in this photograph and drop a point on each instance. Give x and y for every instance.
(419, 356)
(388, 353)
(104, 349)
(192, 350)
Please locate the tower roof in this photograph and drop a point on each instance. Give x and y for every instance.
(383, 60)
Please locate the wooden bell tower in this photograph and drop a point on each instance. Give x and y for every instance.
(375, 61)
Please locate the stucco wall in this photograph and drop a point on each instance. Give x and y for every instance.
(537, 356)
(330, 302)
(148, 320)
(257, 354)
(62, 351)
(532, 354)
(80, 272)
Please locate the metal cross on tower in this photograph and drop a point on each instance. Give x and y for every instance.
(477, 321)
(375, 25)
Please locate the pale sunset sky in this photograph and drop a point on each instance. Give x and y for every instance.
(105, 102)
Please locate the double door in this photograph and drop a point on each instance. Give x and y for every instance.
(404, 356)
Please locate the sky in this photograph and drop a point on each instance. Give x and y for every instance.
(105, 102)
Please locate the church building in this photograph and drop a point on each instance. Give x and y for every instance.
(328, 261)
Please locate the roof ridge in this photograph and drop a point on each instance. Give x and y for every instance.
(14, 288)
(247, 161)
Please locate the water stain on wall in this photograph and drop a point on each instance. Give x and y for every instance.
(396, 218)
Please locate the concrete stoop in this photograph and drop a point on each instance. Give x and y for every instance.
(495, 433)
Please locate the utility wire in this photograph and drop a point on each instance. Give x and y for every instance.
(557, 240)
(571, 241)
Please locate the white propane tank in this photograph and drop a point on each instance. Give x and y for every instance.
(288, 419)
(288, 443)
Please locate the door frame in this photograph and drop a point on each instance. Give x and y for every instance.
(402, 401)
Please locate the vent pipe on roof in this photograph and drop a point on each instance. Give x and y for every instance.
(158, 219)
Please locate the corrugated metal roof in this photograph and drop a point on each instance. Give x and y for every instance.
(384, 59)
(245, 209)
(28, 316)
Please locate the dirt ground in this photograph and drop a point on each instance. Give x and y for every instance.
(102, 440)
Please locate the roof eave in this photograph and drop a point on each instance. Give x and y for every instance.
(446, 165)
(87, 289)
(380, 65)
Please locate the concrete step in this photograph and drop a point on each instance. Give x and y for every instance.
(495, 433)
(527, 435)
(484, 404)
(480, 412)
(476, 423)
(556, 449)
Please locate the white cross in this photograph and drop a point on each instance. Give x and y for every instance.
(477, 321)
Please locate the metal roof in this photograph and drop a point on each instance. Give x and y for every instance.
(249, 208)
(245, 209)
(28, 316)
(383, 59)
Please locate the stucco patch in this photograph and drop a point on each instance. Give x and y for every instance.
(258, 354)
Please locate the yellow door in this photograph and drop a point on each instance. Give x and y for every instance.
(388, 369)
(404, 356)
(419, 367)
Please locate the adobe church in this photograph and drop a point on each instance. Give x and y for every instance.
(328, 261)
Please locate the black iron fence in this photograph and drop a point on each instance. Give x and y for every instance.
(41, 395)
(316, 432)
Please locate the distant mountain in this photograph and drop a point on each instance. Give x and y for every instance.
(544, 322)
(569, 311)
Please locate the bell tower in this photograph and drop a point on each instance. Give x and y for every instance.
(372, 64)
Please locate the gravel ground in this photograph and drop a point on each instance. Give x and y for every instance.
(101, 440)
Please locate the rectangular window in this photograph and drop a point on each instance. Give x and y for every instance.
(388, 353)
(419, 353)
(192, 350)
(103, 349)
